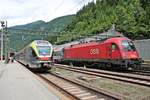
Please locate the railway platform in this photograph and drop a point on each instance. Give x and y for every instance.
(18, 83)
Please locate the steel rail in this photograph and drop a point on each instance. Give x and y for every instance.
(71, 88)
(130, 78)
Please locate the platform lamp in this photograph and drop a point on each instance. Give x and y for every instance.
(2, 25)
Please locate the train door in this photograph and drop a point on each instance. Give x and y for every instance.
(108, 50)
(114, 51)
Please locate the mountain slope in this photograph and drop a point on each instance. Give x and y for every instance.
(55, 25)
(33, 25)
(59, 24)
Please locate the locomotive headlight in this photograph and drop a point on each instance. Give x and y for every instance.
(133, 56)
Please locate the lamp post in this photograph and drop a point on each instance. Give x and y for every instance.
(2, 25)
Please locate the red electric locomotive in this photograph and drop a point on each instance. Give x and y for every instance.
(111, 52)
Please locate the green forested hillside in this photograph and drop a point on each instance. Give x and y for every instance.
(59, 23)
(54, 26)
(30, 26)
(132, 17)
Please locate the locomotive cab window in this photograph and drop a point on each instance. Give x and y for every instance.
(44, 50)
(128, 45)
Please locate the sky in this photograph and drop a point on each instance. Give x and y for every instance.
(19, 12)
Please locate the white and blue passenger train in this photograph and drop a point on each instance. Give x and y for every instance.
(36, 55)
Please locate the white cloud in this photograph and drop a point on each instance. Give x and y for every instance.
(18, 12)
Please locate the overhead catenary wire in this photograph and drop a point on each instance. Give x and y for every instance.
(30, 31)
(59, 5)
(79, 3)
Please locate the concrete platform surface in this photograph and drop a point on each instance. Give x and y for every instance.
(17, 83)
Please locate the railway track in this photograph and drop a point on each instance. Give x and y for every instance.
(76, 90)
(125, 77)
(141, 72)
(144, 70)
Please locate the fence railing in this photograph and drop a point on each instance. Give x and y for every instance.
(143, 47)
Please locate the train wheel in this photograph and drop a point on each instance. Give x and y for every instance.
(84, 66)
(137, 66)
(27, 65)
(71, 64)
(108, 65)
(101, 65)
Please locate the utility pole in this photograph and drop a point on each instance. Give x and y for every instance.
(6, 40)
(2, 25)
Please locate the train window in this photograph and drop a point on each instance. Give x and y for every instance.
(128, 45)
(113, 46)
(33, 53)
(58, 53)
(44, 50)
(30, 51)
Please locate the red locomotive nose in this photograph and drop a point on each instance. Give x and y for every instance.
(131, 55)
